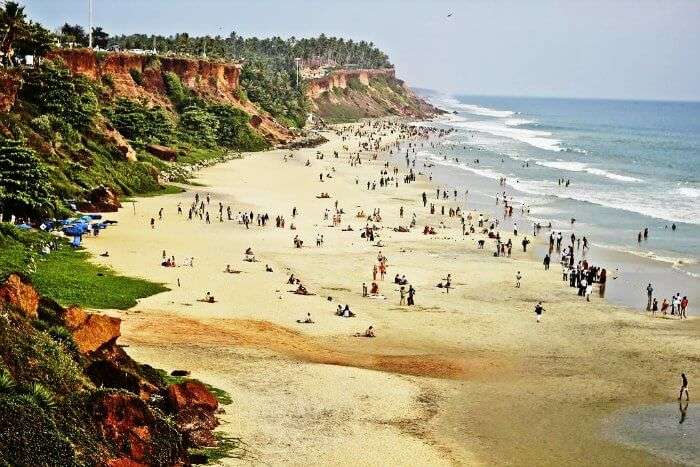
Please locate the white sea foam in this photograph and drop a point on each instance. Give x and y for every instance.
(611, 175)
(538, 139)
(575, 166)
(517, 121)
(485, 111)
(688, 192)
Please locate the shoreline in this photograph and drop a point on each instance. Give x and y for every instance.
(666, 276)
(298, 388)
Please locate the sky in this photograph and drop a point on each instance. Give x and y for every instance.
(620, 49)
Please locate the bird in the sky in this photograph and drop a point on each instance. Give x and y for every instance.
(450, 15)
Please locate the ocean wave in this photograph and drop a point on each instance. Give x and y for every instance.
(688, 192)
(575, 166)
(455, 104)
(485, 111)
(538, 139)
(484, 172)
(518, 121)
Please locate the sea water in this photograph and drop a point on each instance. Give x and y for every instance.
(631, 165)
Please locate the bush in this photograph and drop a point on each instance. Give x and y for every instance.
(140, 123)
(136, 75)
(234, 130)
(53, 90)
(108, 80)
(199, 126)
(7, 382)
(24, 186)
(174, 88)
(356, 85)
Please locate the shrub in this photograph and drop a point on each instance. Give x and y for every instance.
(234, 131)
(140, 123)
(53, 90)
(356, 85)
(24, 186)
(136, 75)
(108, 80)
(7, 382)
(174, 88)
(42, 396)
(199, 126)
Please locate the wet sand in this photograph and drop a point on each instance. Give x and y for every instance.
(462, 378)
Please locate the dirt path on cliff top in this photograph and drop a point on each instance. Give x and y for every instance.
(166, 330)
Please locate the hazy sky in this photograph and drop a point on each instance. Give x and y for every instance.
(594, 48)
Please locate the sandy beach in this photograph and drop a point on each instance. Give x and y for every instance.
(461, 378)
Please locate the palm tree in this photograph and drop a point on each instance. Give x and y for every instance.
(13, 21)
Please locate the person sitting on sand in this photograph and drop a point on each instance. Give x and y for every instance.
(249, 255)
(268, 268)
(209, 298)
(347, 313)
(105, 254)
(291, 279)
(375, 289)
(368, 333)
(308, 319)
(301, 290)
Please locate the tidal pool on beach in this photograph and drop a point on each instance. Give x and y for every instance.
(670, 431)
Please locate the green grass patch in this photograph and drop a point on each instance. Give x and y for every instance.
(165, 190)
(65, 274)
(227, 447)
(69, 278)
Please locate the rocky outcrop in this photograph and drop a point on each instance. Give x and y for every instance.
(338, 79)
(120, 143)
(162, 152)
(195, 407)
(91, 332)
(346, 95)
(106, 409)
(100, 199)
(19, 295)
(136, 432)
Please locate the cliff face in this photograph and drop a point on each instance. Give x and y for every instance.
(346, 95)
(339, 80)
(212, 80)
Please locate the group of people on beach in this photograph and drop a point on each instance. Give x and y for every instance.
(677, 306)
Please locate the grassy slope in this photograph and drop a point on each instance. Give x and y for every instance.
(66, 275)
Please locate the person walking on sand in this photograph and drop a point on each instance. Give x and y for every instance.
(684, 388)
(518, 276)
(374, 272)
(684, 308)
(538, 311)
(650, 293)
(402, 296)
